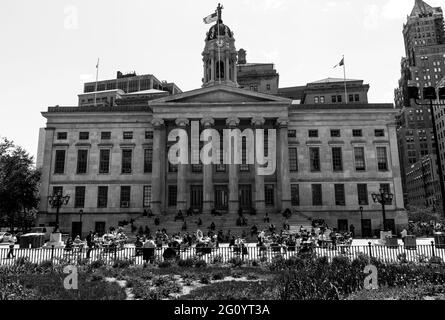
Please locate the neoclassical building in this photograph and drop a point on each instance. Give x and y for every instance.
(330, 156)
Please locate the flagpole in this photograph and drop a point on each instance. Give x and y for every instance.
(219, 48)
(97, 79)
(344, 78)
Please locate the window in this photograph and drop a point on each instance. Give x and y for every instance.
(295, 195)
(317, 199)
(79, 198)
(268, 87)
(84, 135)
(316, 99)
(82, 161)
(351, 98)
(337, 159)
(359, 156)
(128, 135)
(339, 99)
(172, 168)
(244, 167)
(104, 161)
(125, 196)
(362, 192)
(62, 135)
(322, 99)
(379, 132)
(293, 160)
(59, 166)
(105, 135)
(339, 194)
(314, 159)
(292, 133)
(197, 168)
(126, 160)
(386, 188)
(357, 133)
(357, 97)
(172, 196)
(269, 194)
(148, 160)
(149, 135)
(334, 99)
(102, 197)
(57, 190)
(313, 133)
(335, 133)
(382, 159)
(147, 196)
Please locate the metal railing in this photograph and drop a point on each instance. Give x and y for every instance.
(250, 254)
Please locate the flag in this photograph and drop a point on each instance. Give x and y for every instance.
(211, 18)
(341, 63)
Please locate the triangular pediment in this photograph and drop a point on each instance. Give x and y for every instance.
(220, 94)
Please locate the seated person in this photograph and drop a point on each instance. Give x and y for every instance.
(232, 241)
(253, 230)
(184, 226)
(157, 221)
(199, 222)
(179, 216)
(266, 218)
(190, 212)
(77, 240)
(212, 226)
(69, 244)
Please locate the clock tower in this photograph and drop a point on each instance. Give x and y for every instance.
(220, 55)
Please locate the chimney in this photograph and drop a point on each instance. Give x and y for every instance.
(242, 56)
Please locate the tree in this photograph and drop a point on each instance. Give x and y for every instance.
(19, 183)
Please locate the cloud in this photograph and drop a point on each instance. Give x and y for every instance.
(371, 20)
(396, 9)
(266, 5)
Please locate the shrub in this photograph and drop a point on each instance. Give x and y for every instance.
(236, 262)
(187, 263)
(96, 264)
(252, 276)
(205, 279)
(435, 260)
(200, 264)
(218, 276)
(165, 264)
(217, 259)
(123, 263)
(401, 257)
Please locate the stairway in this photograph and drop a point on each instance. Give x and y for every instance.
(224, 222)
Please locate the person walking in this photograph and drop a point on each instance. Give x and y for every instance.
(90, 243)
(11, 251)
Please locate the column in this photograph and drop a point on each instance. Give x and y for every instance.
(208, 196)
(181, 202)
(283, 165)
(227, 64)
(157, 172)
(260, 202)
(233, 123)
(47, 168)
(212, 67)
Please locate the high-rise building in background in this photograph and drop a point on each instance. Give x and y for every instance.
(423, 66)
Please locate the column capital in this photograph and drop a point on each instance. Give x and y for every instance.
(232, 122)
(283, 122)
(258, 121)
(207, 122)
(182, 122)
(157, 123)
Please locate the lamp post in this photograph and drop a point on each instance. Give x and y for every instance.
(361, 219)
(56, 201)
(383, 198)
(80, 220)
(431, 93)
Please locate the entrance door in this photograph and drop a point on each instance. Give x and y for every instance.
(76, 229)
(391, 225)
(221, 198)
(342, 225)
(196, 197)
(245, 196)
(366, 228)
(100, 228)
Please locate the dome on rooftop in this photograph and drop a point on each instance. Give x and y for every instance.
(223, 31)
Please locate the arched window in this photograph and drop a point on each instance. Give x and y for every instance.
(220, 70)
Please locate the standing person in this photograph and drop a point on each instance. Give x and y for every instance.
(11, 250)
(352, 230)
(148, 250)
(90, 243)
(404, 233)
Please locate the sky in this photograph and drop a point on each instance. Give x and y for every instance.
(49, 48)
